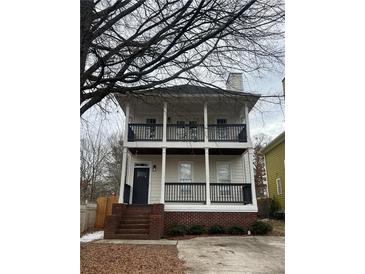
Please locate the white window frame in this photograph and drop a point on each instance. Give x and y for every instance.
(278, 182)
(218, 163)
(221, 191)
(192, 169)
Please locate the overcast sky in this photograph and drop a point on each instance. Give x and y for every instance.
(266, 118)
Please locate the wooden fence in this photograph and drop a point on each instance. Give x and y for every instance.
(104, 208)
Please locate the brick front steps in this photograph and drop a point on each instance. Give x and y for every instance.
(135, 222)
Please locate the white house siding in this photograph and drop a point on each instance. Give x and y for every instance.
(172, 175)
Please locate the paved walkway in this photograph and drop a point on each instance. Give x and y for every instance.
(264, 254)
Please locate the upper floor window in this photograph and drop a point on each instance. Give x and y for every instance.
(185, 172)
(151, 130)
(223, 173)
(278, 186)
(221, 121)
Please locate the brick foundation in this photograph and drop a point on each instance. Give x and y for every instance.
(225, 219)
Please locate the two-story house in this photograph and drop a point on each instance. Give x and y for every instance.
(187, 159)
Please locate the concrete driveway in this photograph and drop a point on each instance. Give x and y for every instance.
(264, 254)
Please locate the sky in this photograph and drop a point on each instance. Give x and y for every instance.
(265, 118)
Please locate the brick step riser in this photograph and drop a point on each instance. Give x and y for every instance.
(132, 231)
(139, 222)
(134, 226)
(131, 236)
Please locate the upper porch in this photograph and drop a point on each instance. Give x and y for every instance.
(188, 120)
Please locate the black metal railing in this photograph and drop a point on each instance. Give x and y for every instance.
(230, 193)
(127, 192)
(185, 192)
(227, 133)
(144, 132)
(219, 193)
(187, 133)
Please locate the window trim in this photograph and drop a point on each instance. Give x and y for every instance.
(278, 181)
(218, 163)
(192, 170)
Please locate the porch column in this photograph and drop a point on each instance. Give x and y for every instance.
(163, 174)
(207, 182)
(124, 159)
(206, 122)
(252, 178)
(247, 124)
(164, 128)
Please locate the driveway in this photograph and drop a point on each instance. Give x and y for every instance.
(263, 254)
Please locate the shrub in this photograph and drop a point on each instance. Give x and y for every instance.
(216, 229)
(260, 228)
(237, 230)
(178, 230)
(264, 207)
(196, 229)
(274, 207)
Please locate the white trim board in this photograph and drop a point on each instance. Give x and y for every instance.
(211, 208)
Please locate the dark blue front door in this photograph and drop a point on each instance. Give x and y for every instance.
(140, 185)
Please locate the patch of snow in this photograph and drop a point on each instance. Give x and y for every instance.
(98, 235)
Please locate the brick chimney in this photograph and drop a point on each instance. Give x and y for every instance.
(235, 82)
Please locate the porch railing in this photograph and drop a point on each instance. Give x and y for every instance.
(219, 193)
(191, 133)
(227, 133)
(144, 132)
(187, 133)
(185, 192)
(230, 193)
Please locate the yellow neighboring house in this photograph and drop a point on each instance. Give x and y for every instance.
(275, 168)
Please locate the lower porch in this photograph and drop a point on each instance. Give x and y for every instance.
(194, 182)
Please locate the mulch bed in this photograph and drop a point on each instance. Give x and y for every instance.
(121, 258)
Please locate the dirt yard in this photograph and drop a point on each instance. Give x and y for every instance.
(278, 227)
(121, 258)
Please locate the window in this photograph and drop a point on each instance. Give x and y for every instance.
(150, 130)
(224, 173)
(180, 130)
(186, 172)
(278, 186)
(221, 129)
(186, 176)
(192, 130)
(224, 177)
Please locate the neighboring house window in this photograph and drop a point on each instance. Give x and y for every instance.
(278, 186)
(224, 177)
(186, 176)
(150, 130)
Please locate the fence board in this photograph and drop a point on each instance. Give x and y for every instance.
(104, 208)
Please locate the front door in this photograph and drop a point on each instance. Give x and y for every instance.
(140, 185)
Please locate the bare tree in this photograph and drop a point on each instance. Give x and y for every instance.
(260, 141)
(114, 163)
(93, 157)
(133, 45)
